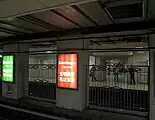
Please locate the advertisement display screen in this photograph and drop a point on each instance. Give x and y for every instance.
(67, 71)
(8, 68)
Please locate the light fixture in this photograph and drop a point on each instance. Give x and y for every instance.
(140, 47)
(140, 52)
(130, 53)
(49, 52)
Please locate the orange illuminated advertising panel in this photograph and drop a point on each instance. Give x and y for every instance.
(67, 71)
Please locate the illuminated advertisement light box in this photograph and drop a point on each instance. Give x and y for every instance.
(8, 68)
(67, 68)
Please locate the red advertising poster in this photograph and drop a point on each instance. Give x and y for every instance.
(67, 71)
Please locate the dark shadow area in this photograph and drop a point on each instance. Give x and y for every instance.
(42, 107)
(43, 90)
(15, 115)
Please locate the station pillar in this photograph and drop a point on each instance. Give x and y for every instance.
(152, 77)
(19, 87)
(70, 98)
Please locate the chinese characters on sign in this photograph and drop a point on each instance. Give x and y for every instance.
(8, 68)
(67, 71)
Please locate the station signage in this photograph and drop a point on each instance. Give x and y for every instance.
(8, 68)
(67, 68)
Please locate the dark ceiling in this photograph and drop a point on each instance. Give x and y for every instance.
(60, 20)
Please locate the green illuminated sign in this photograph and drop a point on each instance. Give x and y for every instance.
(8, 68)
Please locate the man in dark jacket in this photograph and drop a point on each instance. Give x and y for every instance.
(132, 71)
(92, 73)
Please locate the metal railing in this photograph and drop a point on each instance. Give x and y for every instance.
(42, 80)
(120, 90)
(106, 88)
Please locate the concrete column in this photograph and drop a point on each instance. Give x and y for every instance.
(104, 72)
(152, 77)
(92, 60)
(101, 75)
(75, 99)
(98, 74)
(98, 60)
(20, 87)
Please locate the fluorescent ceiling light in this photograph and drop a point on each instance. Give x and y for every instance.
(130, 53)
(140, 52)
(140, 47)
(49, 51)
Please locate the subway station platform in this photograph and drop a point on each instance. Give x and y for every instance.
(49, 47)
(34, 109)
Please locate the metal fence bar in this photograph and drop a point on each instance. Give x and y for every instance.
(107, 88)
(123, 90)
(42, 80)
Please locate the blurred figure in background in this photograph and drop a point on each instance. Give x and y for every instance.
(116, 71)
(92, 73)
(132, 71)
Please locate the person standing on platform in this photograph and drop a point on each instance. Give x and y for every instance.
(132, 71)
(116, 72)
(92, 73)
